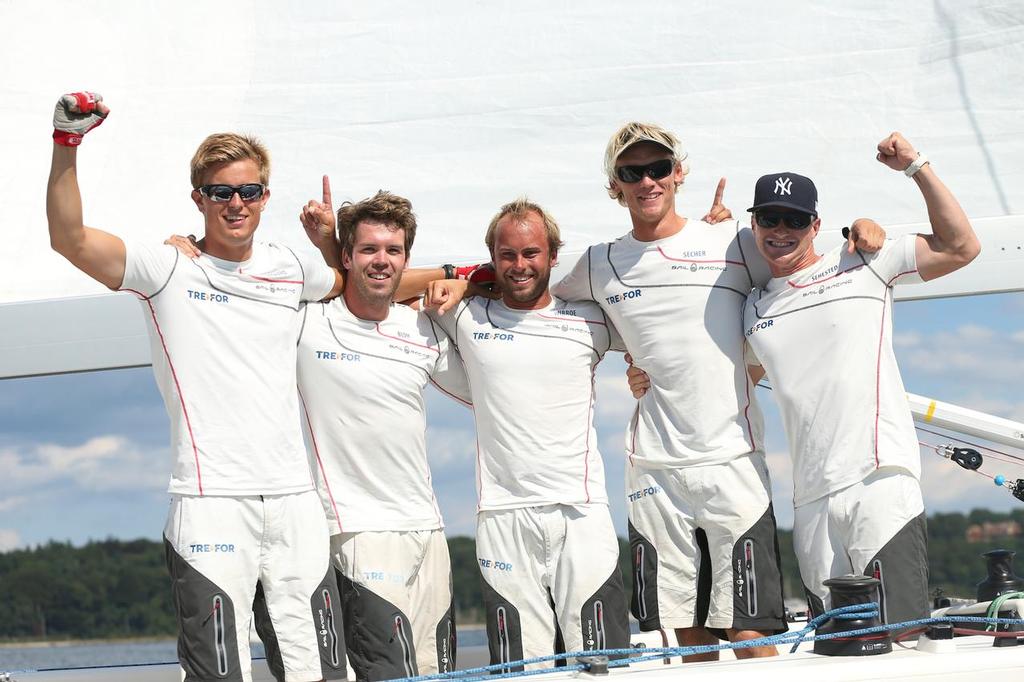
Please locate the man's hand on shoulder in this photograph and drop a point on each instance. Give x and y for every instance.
(188, 246)
(444, 294)
(864, 234)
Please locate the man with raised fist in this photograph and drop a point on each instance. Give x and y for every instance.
(856, 462)
(222, 339)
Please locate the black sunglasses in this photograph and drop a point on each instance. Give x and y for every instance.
(655, 171)
(794, 221)
(223, 193)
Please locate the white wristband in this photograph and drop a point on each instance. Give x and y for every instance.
(915, 165)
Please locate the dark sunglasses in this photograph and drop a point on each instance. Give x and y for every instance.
(223, 193)
(655, 171)
(794, 221)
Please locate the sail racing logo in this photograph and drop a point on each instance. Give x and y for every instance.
(822, 289)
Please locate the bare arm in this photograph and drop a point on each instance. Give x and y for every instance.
(96, 253)
(415, 281)
(756, 373)
(953, 243)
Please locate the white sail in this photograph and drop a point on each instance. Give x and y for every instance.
(464, 105)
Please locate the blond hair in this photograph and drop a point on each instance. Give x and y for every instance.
(519, 209)
(227, 147)
(382, 207)
(629, 135)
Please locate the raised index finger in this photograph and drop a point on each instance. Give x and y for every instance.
(720, 191)
(327, 190)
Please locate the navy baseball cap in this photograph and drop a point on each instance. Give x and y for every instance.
(786, 190)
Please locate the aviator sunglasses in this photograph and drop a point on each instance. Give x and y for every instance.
(794, 221)
(223, 193)
(655, 171)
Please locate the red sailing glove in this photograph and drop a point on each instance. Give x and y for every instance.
(76, 114)
(482, 274)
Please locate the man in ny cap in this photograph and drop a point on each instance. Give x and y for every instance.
(821, 328)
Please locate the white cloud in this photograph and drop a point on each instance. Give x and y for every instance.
(10, 503)
(9, 540)
(970, 356)
(103, 463)
(906, 339)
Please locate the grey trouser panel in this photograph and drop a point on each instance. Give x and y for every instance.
(207, 645)
(326, 613)
(504, 631)
(604, 622)
(902, 567)
(757, 580)
(380, 636)
(644, 600)
(604, 618)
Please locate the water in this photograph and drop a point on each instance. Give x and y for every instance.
(84, 655)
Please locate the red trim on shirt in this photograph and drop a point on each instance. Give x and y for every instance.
(270, 279)
(406, 341)
(320, 463)
(586, 451)
(479, 477)
(691, 260)
(897, 276)
(449, 393)
(878, 361)
(181, 398)
(746, 410)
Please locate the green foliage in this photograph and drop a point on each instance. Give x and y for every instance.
(119, 588)
(104, 589)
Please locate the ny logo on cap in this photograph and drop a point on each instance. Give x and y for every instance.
(783, 186)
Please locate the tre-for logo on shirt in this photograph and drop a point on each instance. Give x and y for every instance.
(760, 326)
(207, 296)
(493, 336)
(624, 296)
(337, 355)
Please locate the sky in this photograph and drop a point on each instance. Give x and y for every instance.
(86, 456)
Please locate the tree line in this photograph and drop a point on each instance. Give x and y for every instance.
(116, 588)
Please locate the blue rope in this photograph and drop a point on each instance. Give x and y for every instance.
(632, 655)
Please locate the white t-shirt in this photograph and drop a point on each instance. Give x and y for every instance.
(222, 339)
(678, 303)
(532, 379)
(824, 337)
(361, 386)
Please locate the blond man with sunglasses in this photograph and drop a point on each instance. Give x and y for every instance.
(222, 339)
(702, 530)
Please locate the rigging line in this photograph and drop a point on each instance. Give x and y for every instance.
(994, 458)
(946, 435)
(932, 448)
